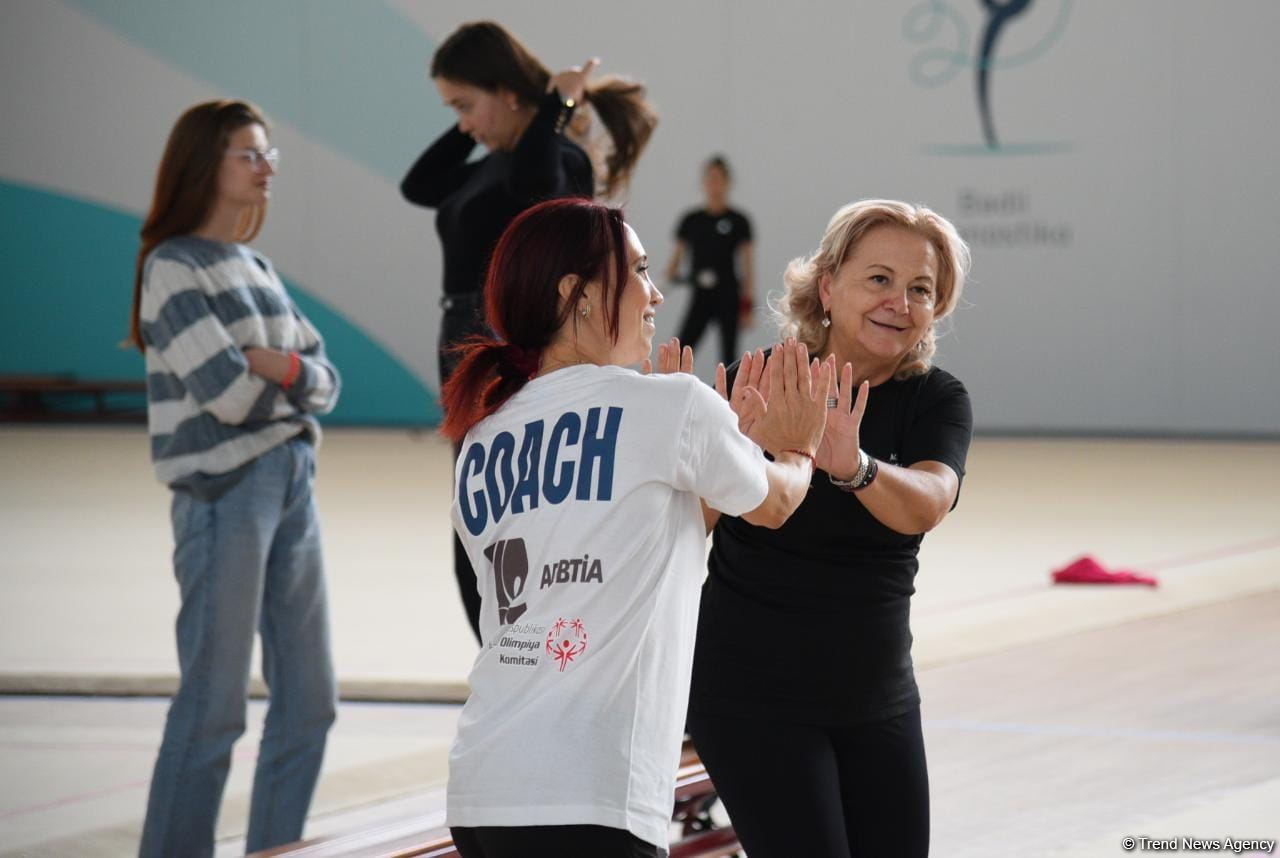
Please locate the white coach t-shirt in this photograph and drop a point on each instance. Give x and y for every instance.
(578, 506)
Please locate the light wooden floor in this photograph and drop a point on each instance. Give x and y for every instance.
(1162, 727)
(1058, 719)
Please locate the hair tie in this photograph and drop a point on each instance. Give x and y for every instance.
(515, 362)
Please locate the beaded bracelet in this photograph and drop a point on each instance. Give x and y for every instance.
(868, 467)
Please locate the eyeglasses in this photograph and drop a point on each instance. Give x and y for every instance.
(256, 158)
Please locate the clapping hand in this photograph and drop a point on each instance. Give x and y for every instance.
(671, 358)
(750, 393)
(796, 412)
(838, 452)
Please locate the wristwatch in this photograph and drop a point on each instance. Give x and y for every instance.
(566, 110)
(868, 467)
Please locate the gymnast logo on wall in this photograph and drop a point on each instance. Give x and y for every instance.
(953, 42)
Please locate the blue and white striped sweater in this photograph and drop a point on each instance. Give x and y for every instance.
(203, 302)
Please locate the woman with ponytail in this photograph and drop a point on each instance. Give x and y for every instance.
(509, 102)
(235, 374)
(577, 498)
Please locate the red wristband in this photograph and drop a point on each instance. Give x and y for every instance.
(295, 367)
(812, 460)
(745, 305)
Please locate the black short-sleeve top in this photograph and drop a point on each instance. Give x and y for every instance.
(713, 240)
(810, 622)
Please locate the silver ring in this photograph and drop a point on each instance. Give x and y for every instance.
(832, 402)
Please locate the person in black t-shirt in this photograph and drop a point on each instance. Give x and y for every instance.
(508, 101)
(717, 240)
(804, 705)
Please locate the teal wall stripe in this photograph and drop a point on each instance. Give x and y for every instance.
(65, 309)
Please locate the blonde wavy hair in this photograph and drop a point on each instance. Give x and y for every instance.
(799, 312)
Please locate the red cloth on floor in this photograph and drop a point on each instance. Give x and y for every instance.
(1087, 570)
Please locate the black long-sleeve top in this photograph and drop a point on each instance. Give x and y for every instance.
(476, 201)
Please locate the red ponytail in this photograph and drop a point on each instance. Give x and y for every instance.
(523, 307)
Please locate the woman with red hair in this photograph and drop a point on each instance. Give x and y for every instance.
(577, 499)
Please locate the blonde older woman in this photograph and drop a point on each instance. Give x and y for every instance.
(804, 704)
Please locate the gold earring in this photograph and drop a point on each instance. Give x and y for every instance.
(585, 311)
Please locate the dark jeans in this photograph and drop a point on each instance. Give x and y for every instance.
(552, 841)
(459, 322)
(835, 792)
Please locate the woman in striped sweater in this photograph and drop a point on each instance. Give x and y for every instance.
(235, 374)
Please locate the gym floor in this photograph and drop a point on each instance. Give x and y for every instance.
(1059, 719)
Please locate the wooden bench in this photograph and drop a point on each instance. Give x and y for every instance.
(694, 796)
(36, 397)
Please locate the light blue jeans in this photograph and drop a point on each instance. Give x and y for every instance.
(250, 558)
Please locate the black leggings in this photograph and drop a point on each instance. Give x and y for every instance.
(456, 325)
(721, 304)
(827, 792)
(552, 841)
